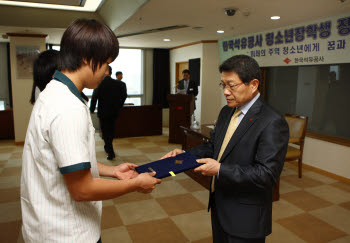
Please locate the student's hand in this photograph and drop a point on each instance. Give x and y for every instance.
(125, 171)
(147, 182)
(210, 167)
(173, 153)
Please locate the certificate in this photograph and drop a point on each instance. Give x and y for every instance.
(170, 166)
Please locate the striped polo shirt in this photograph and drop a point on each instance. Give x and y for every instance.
(60, 139)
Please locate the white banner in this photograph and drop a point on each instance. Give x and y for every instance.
(324, 41)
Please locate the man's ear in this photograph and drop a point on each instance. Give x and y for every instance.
(254, 84)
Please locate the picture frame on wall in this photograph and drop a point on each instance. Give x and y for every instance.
(25, 56)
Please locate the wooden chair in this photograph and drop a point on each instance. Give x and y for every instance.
(297, 130)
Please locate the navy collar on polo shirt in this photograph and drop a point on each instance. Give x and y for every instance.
(65, 80)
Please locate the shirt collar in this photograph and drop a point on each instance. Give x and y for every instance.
(65, 80)
(245, 108)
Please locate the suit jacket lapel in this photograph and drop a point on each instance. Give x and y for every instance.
(181, 84)
(247, 121)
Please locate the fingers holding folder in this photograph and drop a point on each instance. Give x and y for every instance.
(147, 182)
(173, 153)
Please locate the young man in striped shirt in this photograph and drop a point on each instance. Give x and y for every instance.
(61, 188)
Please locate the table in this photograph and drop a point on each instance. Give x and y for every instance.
(136, 121)
(6, 124)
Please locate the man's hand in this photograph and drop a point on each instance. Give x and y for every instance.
(125, 171)
(173, 153)
(146, 182)
(210, 167)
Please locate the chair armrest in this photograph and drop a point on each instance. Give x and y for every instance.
(294, 140)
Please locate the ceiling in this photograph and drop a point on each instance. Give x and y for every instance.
(75, 5)
(58, 2)
(251, 16)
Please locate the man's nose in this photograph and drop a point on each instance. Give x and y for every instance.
(227, 91)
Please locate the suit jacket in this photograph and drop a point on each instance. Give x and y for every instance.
(111, 95)
(250, 166)
(192, 87)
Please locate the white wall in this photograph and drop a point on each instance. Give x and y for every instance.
(4, 85)
(165, 116)
(327, 156)
(148, 76)
(211, 92)
(208, 104)
(21, 88)
(183, 55)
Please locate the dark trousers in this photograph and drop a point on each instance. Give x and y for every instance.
(219, 235)
(107, 128)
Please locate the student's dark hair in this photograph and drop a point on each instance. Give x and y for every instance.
(186, 71)
(117, 73)
(87, 40)
(110, 70)
(43, 69)
(245, 66)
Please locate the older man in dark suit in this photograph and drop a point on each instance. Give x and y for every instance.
(244, 156)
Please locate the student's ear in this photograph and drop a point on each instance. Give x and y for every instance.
(85, 62)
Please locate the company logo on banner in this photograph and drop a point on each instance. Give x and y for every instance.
(322, 41)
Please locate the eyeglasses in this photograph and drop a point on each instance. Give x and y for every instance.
(229, 86)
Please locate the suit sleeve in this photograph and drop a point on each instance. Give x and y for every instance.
(269, 159)
(181, 85)
(124, 94)
(195, 89)
(94, 98)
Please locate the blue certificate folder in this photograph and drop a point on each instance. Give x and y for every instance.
(177, 164)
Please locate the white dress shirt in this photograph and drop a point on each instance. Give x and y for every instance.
(60, 139)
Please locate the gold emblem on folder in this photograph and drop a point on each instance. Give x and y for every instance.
(178, 162)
